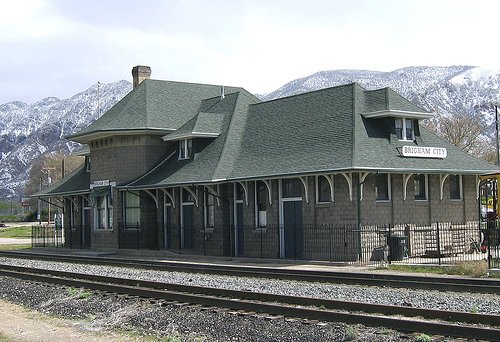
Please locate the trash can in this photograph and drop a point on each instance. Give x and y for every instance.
(397, 247)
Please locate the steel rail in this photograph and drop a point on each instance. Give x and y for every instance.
(258, 302)
(458, 284)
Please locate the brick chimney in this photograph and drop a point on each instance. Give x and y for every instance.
(140, 73)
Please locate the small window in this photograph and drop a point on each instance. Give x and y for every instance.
(104, 212)
(455, 187)
(382, 187)
(291, 188)
(209, 210)
(420, 183)
(405, 129)
(185, 147)
(132, 210)
(261, 203)
(323, 190)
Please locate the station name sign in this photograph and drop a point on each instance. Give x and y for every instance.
(424, 152)
(100, 183)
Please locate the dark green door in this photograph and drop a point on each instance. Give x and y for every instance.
(187, 223)
(292, 222)
(86, 227)
(240, 232)
(167, 228)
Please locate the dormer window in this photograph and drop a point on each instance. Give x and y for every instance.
(405, 129)
(185, 147)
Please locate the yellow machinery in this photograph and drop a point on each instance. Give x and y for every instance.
(488, 198)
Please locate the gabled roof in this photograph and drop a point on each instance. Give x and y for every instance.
(386, 102)
(208, 122)
(203, 167)
(76, 183)
(154, 107)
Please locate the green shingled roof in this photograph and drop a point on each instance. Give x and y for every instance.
(203, 166)
(154, 106)
(76, 183)
(319, 131)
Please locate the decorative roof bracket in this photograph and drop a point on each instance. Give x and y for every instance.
(170, 195)
(188, 189)
(442, 178)
(268, 186)
(244, 185)
(348, 178)
(329, 178)
(362, 178)
(214, 192)
(406, 178)
(153, 196)
(303, 179)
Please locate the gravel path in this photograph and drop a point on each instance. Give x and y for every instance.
(466, 302)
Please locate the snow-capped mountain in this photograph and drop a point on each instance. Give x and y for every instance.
(450, 90)
(29, 130)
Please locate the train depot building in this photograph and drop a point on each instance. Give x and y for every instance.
(197, 168)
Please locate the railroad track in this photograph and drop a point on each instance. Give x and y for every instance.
(471, 325)
(458, 284)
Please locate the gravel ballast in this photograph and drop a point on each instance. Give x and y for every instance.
(428, 299)
(95, 311)
(179, 322)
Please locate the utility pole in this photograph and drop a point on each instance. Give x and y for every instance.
(47, 171)
(496, 131)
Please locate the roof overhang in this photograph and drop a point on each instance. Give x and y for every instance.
(87, 137)
(398, 113)
(373, 170)
(61, 194)
(190, 135)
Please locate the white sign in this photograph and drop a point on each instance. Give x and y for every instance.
(101, 183)
(424, 152)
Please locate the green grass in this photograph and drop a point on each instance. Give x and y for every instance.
(16, 232)
(5, 338)
(475, 269)
(423, 338)
(78, 293)
(14, 247)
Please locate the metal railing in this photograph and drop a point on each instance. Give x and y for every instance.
(435, 243)
(47, 236)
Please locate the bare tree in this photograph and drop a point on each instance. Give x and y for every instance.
(54, 162)
(467, 132)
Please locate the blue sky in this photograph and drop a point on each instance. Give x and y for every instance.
(58, 48)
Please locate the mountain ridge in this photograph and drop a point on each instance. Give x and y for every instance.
(29, 130)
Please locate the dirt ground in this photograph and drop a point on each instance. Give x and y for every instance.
(20, 324)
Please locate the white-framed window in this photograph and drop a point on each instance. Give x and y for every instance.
(104, 213)
(456, 190)
(323, 190)
(185, 147)
(209, 209)
(383, 187)
(405, 128)
(132, 209)
(260, 204)
(421, 187)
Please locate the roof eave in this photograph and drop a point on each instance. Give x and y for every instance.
(309, 173)
(190, 135)
(85, 138)
(398, 113)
